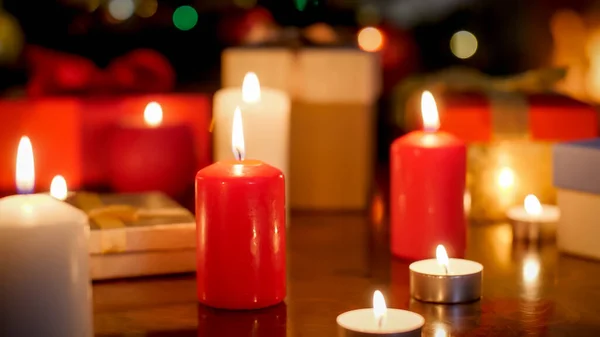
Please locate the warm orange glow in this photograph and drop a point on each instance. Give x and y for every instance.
(153, 114)
(532, 205)
(379, 307)
(506, 178)
(431, 120)
(25, 173)
(370, 39)
(237, 135)
(58, 188)
(251, 88)
(442, 256)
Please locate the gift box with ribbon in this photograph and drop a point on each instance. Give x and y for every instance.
(333, 89)
(88, 124)
(576, 167)
(510, 125)
(137, 234)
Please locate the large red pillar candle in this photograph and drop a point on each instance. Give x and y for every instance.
(428, 170)
(151, 155)
(240, 219)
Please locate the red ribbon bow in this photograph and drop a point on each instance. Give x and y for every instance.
(57, 73)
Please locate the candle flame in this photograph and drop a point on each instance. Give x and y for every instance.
(532, 205)
(251, 88)
(58, 188)
(379, 307)
(153, 114)
(25, 173)
(237, 135)
(431, 120)
(442, 257)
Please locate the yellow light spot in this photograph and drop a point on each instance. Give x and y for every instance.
(506, 178)
(368, 15)
(246, 4)
(463, 44)
(370, 39)
(147, 8)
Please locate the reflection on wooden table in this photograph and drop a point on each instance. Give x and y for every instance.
(337, 260)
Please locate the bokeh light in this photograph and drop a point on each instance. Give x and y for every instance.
(506, 178)
(146, 8)
(370, 39)
(300, 4)
(368, 15)
(121, 9)
(463, 44)
(185, 18)
(246, 4)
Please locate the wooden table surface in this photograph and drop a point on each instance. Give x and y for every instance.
(337, 260)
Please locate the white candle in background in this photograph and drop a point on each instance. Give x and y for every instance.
(533, 221)
(266, 115)
(44, 274)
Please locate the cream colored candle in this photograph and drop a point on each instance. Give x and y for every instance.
(379, 321)
(45, 288)
(266, 114)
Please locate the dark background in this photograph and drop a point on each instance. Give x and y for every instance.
(513, 35)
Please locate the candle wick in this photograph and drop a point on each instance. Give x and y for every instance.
(445, 269)
(238, 154)
(380, 322)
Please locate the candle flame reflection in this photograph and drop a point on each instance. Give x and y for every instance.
(153, 114)
(379, 307)
(532, 205)
(442, 257)
(25, 173)
(58, 188)
(251, 88)
(237, 135)
(431, 119)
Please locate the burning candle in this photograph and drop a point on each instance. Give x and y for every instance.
(444, 280)
(240, 219)
(380, 321)
(43, 262)
(151, 154)
(533, 221)
(267, 119)
(427, 189)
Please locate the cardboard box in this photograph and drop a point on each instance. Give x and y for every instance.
(333, 93)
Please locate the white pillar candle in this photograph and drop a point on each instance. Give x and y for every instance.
(45, 287)
(380, 321)
(533, 221)
(444, 280)
(266, 115)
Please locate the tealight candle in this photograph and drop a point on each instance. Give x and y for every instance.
(380, 321)
(533, 221)
(444, 280)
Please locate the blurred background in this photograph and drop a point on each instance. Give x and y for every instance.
(506, 36)
(94, 54)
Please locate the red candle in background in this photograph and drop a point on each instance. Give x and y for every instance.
(428, 170)
(240, 219)
(147, 155)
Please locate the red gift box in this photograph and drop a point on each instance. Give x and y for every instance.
(122, 152)
(51, 124)
(70, 135)
(476, 117)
